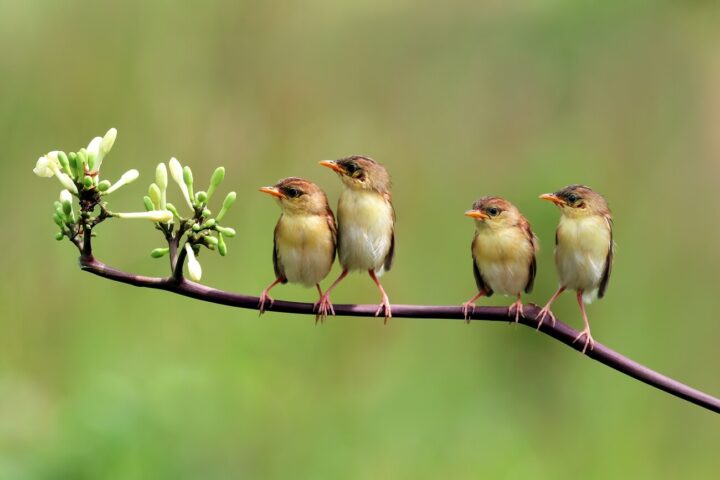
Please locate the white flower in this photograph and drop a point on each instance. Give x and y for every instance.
(130, 176)
(194, 268)
(94, 146)
(127, 177)
(100, 146)
(161, 176)
(158, 216)
(176, 172)
(66, 201)
(65, 197)
(67, 182)
(161, 180)
(47, 165)
(108, 141)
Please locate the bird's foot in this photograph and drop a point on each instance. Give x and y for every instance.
(588, 339)
(264, 297)
(468, 309)
(545, 312)
(517, 307)
(322, 308)
(384, 306)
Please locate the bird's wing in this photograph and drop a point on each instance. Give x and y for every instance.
(277, 266)
(525, 225)
(482, 286)
(333, 231)
(391, 251)
(608, 260)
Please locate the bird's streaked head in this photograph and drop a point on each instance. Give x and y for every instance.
(494, 212)
(297, 196)
(578, 201)
(360, 173)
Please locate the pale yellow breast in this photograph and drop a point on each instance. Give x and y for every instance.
(304, 247)
(581, 251)
(503, 257)
(365, 224)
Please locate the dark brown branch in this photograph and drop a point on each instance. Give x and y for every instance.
(560, 331)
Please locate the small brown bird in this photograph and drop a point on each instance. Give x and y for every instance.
(583, 249)
(366, 221)
(503, 251)
(305, 239)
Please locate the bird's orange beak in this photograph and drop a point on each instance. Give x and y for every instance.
(476, 214)
(274, 191)
(551, 197)
(332, 164)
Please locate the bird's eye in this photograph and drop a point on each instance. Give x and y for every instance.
(494, 212)
(351, 168)
(292, 192)
(572, 198)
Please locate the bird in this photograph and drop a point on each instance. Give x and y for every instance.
(366, 222)
(305, 239)
(584, 250)
(503, 253)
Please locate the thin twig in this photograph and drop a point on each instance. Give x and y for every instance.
(560, 331)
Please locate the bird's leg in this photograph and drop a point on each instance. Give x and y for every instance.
(265, 297)
(586, 331)
(468, 307)
(385, 303)
(324, 299)
(517, 306)
(546, 309)
(323, 306)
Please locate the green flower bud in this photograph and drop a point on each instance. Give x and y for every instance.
(201, 197)
(91, 157)
(82, 158)
(206, 213)
(59, 236)
(104, 185)
(222, 247)
(66, 201)
(211, 240)
(59, 220)
(155, 194)
(209, 224)
(217, 177)
(171, 207)
(188, 179)
(229, 200)
(196, 227)
(88, 182)
(227, 231)
(76, 165)
(149, 205)
(65, 164)
(159, 252)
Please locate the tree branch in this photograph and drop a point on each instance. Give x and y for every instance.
(560, 331)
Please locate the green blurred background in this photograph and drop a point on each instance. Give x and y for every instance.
(458, 99)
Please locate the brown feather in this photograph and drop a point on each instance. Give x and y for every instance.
(525, 226)
(333, 231)
(277, 266)
(391, 252)
(608, 261)
(482, 286)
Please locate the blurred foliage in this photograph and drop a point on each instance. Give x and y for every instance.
(458, 99)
